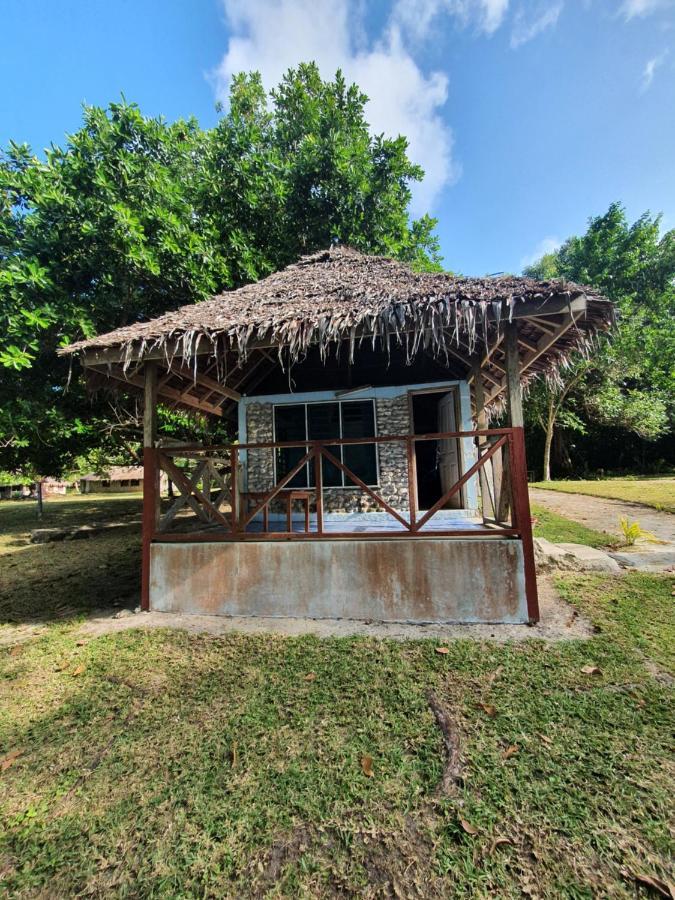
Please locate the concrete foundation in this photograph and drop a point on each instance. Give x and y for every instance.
(404, 580)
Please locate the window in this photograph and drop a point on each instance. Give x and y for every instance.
(321, 422)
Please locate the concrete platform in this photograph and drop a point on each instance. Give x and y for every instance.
(405, 580)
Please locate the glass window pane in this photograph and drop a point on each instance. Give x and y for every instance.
(289, 423)
(324, 422)
(361, 460)
(358, 420)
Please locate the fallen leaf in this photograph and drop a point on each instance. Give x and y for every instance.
(367, 766)
(510, 751)
(78, 670)
(546, 739)
(16, 650)
(310, 676)
(591, 670)
(9, 759)
(442, 650)
(666, 890)
(468, 827)
(233, 755)
(488, 709)
(499, 842)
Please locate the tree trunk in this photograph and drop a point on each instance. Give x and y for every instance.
(39, 499)
(550, 427)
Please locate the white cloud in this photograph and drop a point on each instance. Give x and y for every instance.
(546, 245)
(272, 35)
(416, 17)
(650, 70)
(632, 9)
(527, 26)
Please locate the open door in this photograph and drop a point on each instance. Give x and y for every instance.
(448, 450)
(438, 462)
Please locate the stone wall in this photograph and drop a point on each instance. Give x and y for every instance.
(260, 430)
(392, 417)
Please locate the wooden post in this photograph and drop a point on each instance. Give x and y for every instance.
(489, 510)
(151, 495)
(513, 388)
(318, 478)
(412, 480)
(234, 489)
(518, 468)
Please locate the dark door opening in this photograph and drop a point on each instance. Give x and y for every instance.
(437, 461)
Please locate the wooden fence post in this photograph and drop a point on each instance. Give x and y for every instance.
(523, 519)
(151, 494)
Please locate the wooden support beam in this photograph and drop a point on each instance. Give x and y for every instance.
(149, 383)
(542, 346)
(485, 473)
(164, 392)
(513, 370)
(215, 387)
(151, 493)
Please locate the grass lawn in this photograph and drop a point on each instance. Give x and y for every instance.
(19, 517)
(161, 763)
(651, 491)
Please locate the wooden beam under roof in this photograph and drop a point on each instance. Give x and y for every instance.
(163, 391)
(543, 345)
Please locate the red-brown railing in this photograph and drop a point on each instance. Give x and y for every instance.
(209, 483)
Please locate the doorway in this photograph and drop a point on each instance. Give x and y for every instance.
(438, 462)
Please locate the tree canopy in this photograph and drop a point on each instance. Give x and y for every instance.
(629, 381)
(134, 216)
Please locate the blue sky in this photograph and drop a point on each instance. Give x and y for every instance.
(528, 115)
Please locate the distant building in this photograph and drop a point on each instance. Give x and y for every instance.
(117, 479)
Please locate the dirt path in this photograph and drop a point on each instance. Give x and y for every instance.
(603, 514)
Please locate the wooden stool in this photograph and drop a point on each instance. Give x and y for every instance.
(304, 497)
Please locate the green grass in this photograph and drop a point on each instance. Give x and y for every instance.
(561, 530)
(637, 612)
(19, 517)
(167, 764)
(651, 491)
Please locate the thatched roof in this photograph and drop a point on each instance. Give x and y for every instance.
(341, 295)
(116, 473)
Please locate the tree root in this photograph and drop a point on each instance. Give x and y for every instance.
(452, 771)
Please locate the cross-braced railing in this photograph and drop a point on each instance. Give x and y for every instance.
(214, 501)
(210, 484)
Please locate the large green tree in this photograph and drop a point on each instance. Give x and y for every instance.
(627, 381)
(134, 216)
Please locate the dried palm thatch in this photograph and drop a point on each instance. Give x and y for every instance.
(341, 298)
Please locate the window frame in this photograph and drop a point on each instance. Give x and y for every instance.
(346, 483)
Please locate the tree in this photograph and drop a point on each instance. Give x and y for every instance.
(629, 380)
(134, 216)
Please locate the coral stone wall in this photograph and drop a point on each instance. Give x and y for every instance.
(392, 416)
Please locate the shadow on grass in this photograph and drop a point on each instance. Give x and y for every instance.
(69, 579)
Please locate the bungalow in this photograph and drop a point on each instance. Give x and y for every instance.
(365, 481)
(116, 479)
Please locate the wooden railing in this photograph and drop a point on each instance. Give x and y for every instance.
(210, 484)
